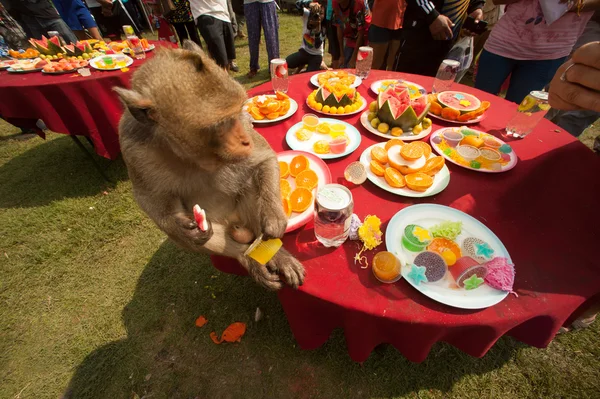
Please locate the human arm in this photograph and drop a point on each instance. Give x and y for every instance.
(583, 5)
(360, 39)
(440, 25)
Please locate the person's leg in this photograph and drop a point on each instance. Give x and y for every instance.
(212, 32)
(181, 30)
(229, 42)
(530, 75)
(270, 23)
(334, 45)
(574, 122)
(393, 47)
(133, 11)
(314, 62)
(348, 53)
(493, 71)
(379, 40)
(297, 59)
(232, 18)
(420, 54)
(252, 13)
(192, 32)
(241, 22)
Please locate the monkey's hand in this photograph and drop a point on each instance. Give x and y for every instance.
(185, 231)
(273, 222)
(285, 264)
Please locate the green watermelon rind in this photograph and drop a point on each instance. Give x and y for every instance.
(406, 121)
(465, 111)
(331, 100)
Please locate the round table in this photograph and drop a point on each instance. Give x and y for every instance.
(69, 103)
(545, 211)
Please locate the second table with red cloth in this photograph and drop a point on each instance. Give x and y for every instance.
(69, 103)
(545, 211)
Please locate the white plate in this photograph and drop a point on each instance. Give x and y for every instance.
(295, 144)
(471, 122)
(440, 180)
(363, 106)
(427, 215)
(315, 80)
(511, 163)
(10, 70)
(406, 136)
(93, 62)
(298, 220)
(376, 85)
(291, 111)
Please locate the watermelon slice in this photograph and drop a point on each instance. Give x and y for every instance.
(463, 102)
(54, 45)
(325, 97)
(69, 49)
(397, 110)
(41, 45)
(79, 48)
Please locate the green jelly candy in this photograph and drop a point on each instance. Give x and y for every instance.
(475, 164)
(448, 151)
(469, 132)
(505, 148)
(413, 241)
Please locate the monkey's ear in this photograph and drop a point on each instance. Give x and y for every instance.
(191, 46)
(140, 107)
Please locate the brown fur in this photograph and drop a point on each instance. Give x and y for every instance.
(185, 142)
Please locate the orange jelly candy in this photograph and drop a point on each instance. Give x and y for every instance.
(386, 267)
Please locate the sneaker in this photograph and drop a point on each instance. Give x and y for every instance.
(234, 67)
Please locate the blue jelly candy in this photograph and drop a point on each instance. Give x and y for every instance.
(417, 274)
(505, 148)
(475, 164)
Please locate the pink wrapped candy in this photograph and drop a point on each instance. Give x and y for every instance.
(500, 274)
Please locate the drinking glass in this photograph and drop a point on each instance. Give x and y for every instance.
(279, 75)
(364, 61)
(446, 75)
(531, 110)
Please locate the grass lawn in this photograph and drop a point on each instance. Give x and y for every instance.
(94, 298)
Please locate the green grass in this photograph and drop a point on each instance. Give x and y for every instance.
(93, 297)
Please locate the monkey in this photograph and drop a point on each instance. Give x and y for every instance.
(186, 140)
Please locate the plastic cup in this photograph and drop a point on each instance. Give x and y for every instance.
(310, 122)
(452, 137)
(468, 152)
(84, 71)
(491, 142)
(263, 251)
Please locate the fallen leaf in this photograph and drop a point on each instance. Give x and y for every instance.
(215, 339)
(201, 321)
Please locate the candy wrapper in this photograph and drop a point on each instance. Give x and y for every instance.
(355, 223)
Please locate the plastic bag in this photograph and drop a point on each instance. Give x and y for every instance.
(463, 53)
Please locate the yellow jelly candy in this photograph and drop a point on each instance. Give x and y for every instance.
(321, 147)
(449, 257)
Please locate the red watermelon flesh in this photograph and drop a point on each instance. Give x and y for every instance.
(397, 110)
(54, 39)
(419, 105)
(398, 97)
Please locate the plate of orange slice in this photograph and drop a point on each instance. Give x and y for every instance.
(270, 108)
(301, 173)
(406, 169)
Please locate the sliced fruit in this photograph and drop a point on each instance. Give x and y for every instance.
(273, 106)
(284, 169)
(450, 113)
(307, 179)
(396, 132)
(287, 207)
(484, 106)
(472, 140)
(281, 96)
(435, 108)
(418, 181)
(468, 116)
(303, 134)
(433, 165)
(394, 178)
(426, 148)
(379, 154)
(255, 113)
(298, 164)
(377, 168)
(300, 199)
(321, 147)
(411, 152)
(285, 187)
(393, 142)
(273, 115)
(397, 109)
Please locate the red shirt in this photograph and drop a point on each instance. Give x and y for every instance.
(352, 21)
(388, 14)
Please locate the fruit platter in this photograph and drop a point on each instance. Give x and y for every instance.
(473, 149)
(63, 66)
(53, 49)
(27, 66)
(111, 62)
(450, 257)
(116, 47)
(325, 137)
(457, 107)
(300, 175)
(395, 114)
(5, 64)
(336, 99)
(406, 169)
(333, 77)
(269, 108)
(24, 54)
(414, 90)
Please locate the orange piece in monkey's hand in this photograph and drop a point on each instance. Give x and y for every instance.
(301, 198)
(285, 187)
(299, 163)
(201, 321)
(307, 179)
(284, 169)
(233, 333)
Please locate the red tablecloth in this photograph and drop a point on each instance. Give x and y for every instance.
(70, 104)
(545, 211)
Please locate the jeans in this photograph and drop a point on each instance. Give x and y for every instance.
(348, 52)
(301, 58)
(36, 27)
(525, 75)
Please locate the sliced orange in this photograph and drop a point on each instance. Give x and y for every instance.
(377, 168)
(418, 181)
(255, 113)
(285, 188)
(379, 154)
(273, 106)
(440, 245)
(281, 96)
(298, 164)
(307, 179)
(273, 115)
(433, 165)
(411, 152)
(300, 199)
(450, 113)
(484, 106)
(287, 207)
(392, 143)
(426, 148)
(284, 169)
(435, 108)
(394, 178)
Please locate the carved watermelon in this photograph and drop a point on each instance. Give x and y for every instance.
(69, 49)
(79, 48)
(463, 102)
(397, 110)
(325, 97)
(54, 45)
(41, 45)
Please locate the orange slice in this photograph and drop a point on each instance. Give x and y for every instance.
(392, 143)
(468, 116)
(307, 179)
(411, 152)
(426, 148)
(273, 106)
(255, 113)
(418, 181)
(285, 188)
(284, 169)
(441, 245)
(287, 207)
(377, 168)
(433, 165)
(450, 113)
(394, 178)
(281, 96)
(379, 154)
(300, 199)
(273, 115)
(435, 108)
(298, 164)
(484, 106)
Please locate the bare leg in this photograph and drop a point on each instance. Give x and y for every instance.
(379, 50)
(392, 52)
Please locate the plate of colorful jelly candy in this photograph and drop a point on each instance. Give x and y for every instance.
(473, 149)
(450, 257)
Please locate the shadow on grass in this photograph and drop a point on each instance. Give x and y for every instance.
(53, 170)
(165, 355)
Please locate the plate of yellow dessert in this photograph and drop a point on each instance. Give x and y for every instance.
(331, 77)
(324, 137)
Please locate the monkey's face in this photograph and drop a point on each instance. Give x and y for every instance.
(230, 141)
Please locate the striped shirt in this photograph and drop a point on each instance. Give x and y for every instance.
(522, 33)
